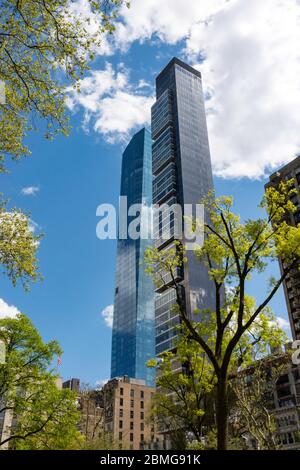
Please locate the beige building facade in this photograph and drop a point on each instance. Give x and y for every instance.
(127, 405)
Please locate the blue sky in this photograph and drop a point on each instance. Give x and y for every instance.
(74, 175)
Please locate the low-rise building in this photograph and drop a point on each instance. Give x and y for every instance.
(282, 400)
(127, 405)
(6, 422)
(72, 384)
(90, 405)
(287, 408)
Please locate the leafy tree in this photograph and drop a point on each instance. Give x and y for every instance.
(44, 47)
(232, 251)
(253, 409)
(182, 405)
(18, 246)
(100, 442)
(53, 414)
(186, 381)
(92, 417)
(42, 416)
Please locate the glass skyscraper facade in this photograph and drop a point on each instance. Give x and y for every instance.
(182, 174)
(133, 340)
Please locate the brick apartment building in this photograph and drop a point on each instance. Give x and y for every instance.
(287, 407)
(90, 405)
(127, 404)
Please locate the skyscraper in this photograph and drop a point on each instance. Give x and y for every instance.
(183, 175)
(291, 284)
(133, 324)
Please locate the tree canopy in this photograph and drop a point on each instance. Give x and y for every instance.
(42, 416)
(233, 251)
(18, 246)
(44, 47)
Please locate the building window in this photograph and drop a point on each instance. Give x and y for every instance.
(142, 404)
(121, 391)
(120, 424)
(131, 437)
(142, 437)
(142, 415)
(132, 403)
(120, 436)
(142, 393)
(142, 426)
(121, 413)
(131, 425)
(121, 401)
(132, 393)
(131, 414)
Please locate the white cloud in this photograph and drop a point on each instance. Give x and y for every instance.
(170, 20)
(283, 323)
(108, 314)
(81, 10)
(121, 113)
(30, 190)
(100, 383)
(7, 311)
(249, 56)
(143, 84)
(33, 226)
(110, 103)
(251, 72)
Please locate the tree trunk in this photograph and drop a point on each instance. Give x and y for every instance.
(222, 413)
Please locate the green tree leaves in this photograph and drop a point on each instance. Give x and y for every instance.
(44, 417)
(18, 246)
(239, 329)
(44, 47)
